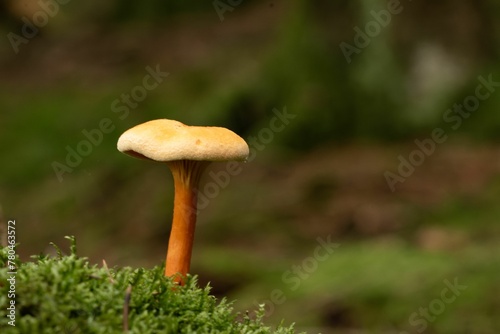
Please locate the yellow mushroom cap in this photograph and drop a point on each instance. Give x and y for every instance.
(168, 140)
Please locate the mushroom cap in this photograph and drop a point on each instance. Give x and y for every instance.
(168, 140)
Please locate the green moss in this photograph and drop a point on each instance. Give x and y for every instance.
(66, 294)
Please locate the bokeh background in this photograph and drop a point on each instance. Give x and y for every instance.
(236, 64)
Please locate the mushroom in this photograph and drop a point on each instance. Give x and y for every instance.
(187, 151)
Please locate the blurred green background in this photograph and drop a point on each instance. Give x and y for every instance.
(323, 176)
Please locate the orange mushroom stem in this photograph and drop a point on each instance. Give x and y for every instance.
(187, 176)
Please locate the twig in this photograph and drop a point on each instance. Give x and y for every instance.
(128, 294)
(105, 266)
